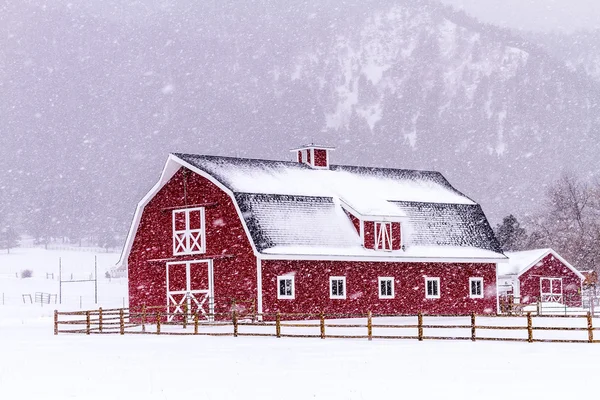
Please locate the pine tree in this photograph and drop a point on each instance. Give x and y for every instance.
(510, 234)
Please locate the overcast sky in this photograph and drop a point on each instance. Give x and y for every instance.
(568, 15)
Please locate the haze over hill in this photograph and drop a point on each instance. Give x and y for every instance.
(96, 95)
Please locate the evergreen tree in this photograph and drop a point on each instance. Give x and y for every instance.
(510, 234)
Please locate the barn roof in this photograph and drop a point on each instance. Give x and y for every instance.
(521, 261)
(290, 208)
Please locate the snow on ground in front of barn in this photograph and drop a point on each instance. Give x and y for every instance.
(36, 364)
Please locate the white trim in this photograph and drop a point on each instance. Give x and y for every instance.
(293, 287)
(383, 257)
(439, 288)
(557, 256)
(386, 238)
(476, 279)
(186, 239)
(362, 230)
(313, 146)
(382, 279)
(551, 293)
(498, 292)
(189, 293)
(337, 278)
(374, 218)
(259, 290)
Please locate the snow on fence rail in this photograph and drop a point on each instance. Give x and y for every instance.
(527, 328)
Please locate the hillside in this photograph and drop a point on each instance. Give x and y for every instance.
(95, 99)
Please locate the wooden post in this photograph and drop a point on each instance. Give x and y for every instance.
(122, 321)
(235, 323)
(185, 314)
(420, 326)
(539, 307)
(87, 322)
(529, 328)
(278, 325)
(100, 319)
(370, 325)
(590, 328)
(322, 325)
(473, 326)
(143, 318)
(56, 322)
(158, 322)
(196, 323)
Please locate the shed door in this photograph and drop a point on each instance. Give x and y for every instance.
(190, 290)
(551, 290)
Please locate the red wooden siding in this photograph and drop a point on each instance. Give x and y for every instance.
(396, 236)
(312, 287)
(320, 158)
(355, 221)
(550, 267)
(300, 156)
(369, 232)
(226, 243)
(308, 158)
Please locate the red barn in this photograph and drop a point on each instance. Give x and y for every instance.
(543, 275)
(308, 236)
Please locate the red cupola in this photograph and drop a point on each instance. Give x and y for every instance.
(313, 155)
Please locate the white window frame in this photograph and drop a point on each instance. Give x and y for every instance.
(337, 278)
(189, 238)
(383, 237)
(439, 288)
(286, 296)
(385, 279)
(475, 296)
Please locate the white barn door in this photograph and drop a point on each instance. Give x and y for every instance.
(190, 288)
(551, 290)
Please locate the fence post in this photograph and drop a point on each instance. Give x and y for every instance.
(100, 319)
(322, 325)
(196, 323)
(473, 326)
(235, 323)
(420, 326)
(529, 328)
(539, 307)
(185, 314)
(370, 325)
(158, 322)
(122, 321)
(590, 328)
(87, 322)
(143, 317)
(56, 322)
(278, 325)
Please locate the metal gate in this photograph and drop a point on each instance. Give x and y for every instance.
(551, 290)
(190, 289)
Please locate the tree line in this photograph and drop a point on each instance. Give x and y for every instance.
(568, 222)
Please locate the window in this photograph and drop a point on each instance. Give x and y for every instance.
(337, 287)
(285, 287)
(432, 288)
(188, 231)
(383, 236)
(386, 288)
(476, 288)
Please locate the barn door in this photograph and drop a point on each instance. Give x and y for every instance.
(190, 290)
(551, 290)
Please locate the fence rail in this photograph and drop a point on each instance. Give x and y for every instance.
(124, 321)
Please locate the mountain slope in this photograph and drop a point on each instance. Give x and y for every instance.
(97, 97)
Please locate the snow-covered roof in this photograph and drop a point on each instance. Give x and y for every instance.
(521, 261)
(290, 208)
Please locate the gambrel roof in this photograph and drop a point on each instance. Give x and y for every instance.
(290, 208)
(293, 211)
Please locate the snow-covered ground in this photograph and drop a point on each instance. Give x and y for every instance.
(36, 364)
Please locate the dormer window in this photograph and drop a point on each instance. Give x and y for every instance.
(383, 236)
(189, 231)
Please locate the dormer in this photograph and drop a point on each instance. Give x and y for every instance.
(313, 155)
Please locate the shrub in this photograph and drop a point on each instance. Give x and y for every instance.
(26, 273)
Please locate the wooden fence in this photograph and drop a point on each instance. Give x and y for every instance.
(119, 321)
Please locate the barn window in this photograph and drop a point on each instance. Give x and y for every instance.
(337, 287)
(188, 231)
(476, 288)
(386, 288)
(432, 288)
(285, 287)
(383, 236)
